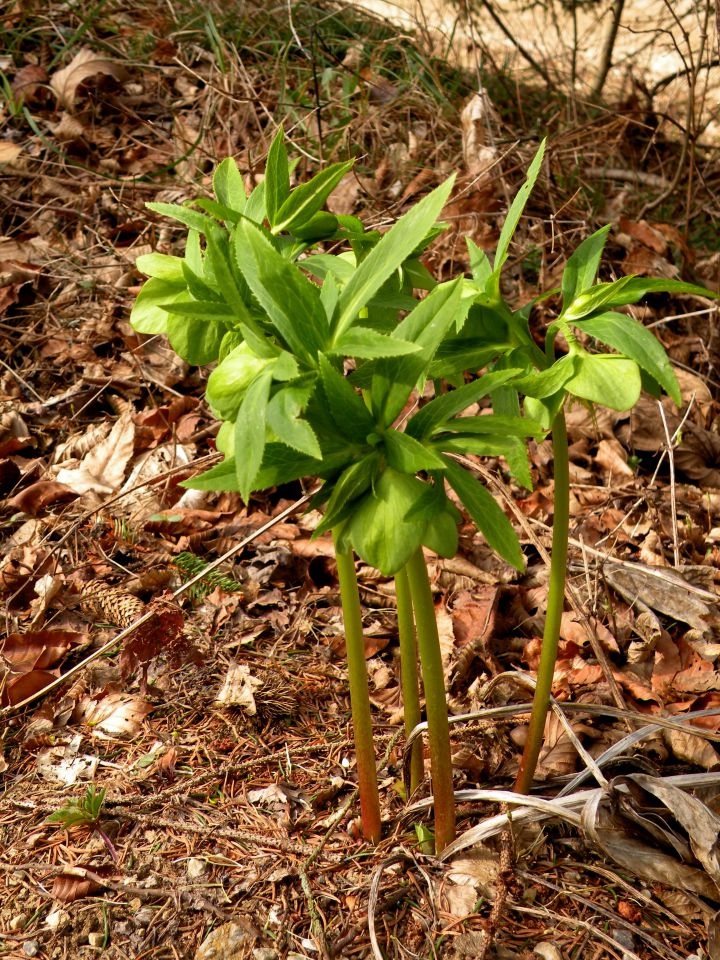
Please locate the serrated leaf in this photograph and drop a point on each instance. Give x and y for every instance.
(480, 266)
(250, 434)
(284, 419)
(277, 177)
(310, 197)
(448, 405)
(425, 326)
(228, 185)
(494, 425)
(353, 483)
(629, 337)
(191, 218)
(388, 254)
(345, 406)
(485, 513)
(368, 344)
(291, 301)
(546, 383)
(582, 266)
(408, 455)
(515, 212)
(255, 206)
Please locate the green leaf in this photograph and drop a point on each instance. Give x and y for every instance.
(485, 513)
(160, 266)
(368, 344)
(515, 212)
(291, 301)
(250, 434)
(456, 356)
(220, 477)
(321, 226)
(191, 218)
(218, 210)
(199, 309)
(441, 534)
(228, 185)
(387, 256)
(607, 379)
(629, 337)
(639, 287)
(218, 258)
(277, 177)
(353, 483)
(408, 455)
(494, 425)
(479, 264)
(147, 314)
(323, 265)
(308, 198)
(284, 419)
(231, 378)
(346, 408)
(255, 206)
(196, 340)
(601, 295)
(379, 529)
(546, 383)
(582, 266)
(448, 405)
(544, 411)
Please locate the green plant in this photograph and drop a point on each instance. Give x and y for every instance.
(84, 812)
(311, 381)
(318, 355)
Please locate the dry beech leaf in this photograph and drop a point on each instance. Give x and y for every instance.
(238, 689)
(691, 749)
(116, 714)
(34, 499)
(558, 756)
(103, 468)
(83, 66)
(74, 883)
(9, 152)
(663, 590)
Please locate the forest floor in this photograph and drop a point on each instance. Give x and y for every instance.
(199, 772)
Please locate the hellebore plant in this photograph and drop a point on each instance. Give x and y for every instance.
(494, 335)
(313, 380)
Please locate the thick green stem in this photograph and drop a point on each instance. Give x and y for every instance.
(408, 673)
(359, 697)
(435, 703)
(553, 617)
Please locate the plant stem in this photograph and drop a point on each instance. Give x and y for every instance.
(359, 697)
(408, 673)
(553, 616)
(436, 706)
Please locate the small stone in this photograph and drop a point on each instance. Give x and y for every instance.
(58, 920)
(31, 948)
(196, 868)
(18, 922)
(144, 917)
(96, 939)
(228, 942)
(264, 953)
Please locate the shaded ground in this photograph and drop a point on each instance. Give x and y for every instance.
(221, 731)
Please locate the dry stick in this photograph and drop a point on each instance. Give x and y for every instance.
(150, 613)
(607, 50)
(673, 499)
(522, 50)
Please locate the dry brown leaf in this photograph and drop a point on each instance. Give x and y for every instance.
(75, 883)
(476, 120)
(83, 66)
(238, 689)
(114, 714)
(558, 756)
(34, 499)
(103, 469)
(9, 152)
(612, 457)
(691, 749)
